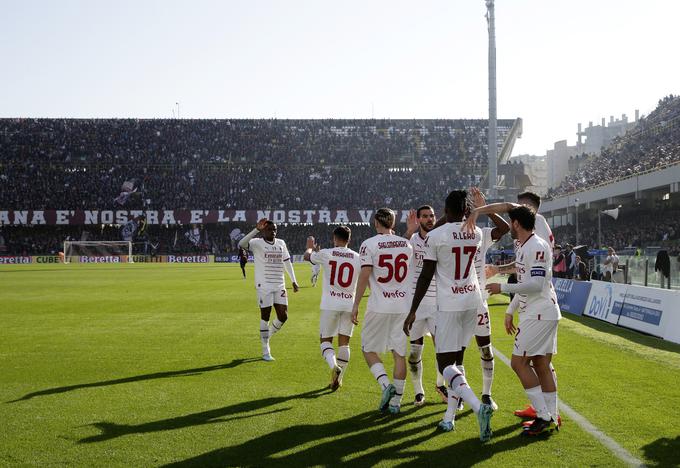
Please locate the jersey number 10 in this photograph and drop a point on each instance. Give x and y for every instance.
(339, 273)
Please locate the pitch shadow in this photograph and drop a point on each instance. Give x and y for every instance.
(138, 378)
(344, 441)
(111, 430)
(663, 452)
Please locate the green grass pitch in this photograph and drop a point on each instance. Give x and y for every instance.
(153, 365)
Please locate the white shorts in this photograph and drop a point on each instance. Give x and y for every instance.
(454, 329)
(536, 338)
(269, 297)
(335, 322)
(384, 332)
(424, 325)
(483, 323)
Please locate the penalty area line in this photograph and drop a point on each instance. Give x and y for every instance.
(620, 452)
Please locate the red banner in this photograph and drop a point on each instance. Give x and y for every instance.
(184, 217)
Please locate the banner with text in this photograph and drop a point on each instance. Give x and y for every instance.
(605, 301)
(170, 217)
(571, 295)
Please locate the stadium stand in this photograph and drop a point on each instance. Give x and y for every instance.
(652, 145)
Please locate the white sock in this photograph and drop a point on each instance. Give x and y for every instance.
(451, 407)
(551, 402)
(378, 371)
(415, 366)
(487, 368)
(328, 353)
(264, 336)
(535, 395)
(343, 357)
(460, 388)
(275, 327)
(396, 399)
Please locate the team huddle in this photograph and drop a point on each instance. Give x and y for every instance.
(432, 281)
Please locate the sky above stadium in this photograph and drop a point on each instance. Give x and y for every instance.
(559, 62)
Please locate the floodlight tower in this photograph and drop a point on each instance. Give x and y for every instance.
(493, 146)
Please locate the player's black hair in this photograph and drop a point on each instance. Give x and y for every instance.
(525, 216)
(456, 202)
(531, 196)
(385, 217)
(343, 233)
(424, 207)
(269, 223)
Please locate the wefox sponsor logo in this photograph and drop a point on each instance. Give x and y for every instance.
(15, 260)
(341, 295)
(394, 294)
(101, 259)
(188, 259)
(468, 288)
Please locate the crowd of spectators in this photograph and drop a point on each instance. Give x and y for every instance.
(245, 164)
(653, 144)
(634, 228)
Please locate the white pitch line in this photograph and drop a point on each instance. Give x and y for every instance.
(623, 454)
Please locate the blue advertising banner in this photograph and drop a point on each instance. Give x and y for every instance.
(572, 296)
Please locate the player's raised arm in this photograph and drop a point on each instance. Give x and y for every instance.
(412, 224)
(424, 280)
(310, 248)
(494, 208)
(245, 242)
(501, 225)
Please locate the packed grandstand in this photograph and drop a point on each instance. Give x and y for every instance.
(272, 166)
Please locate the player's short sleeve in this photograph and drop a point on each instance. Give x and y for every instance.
(538, 260)
(366, 254)
(430, 248)
(319, 258)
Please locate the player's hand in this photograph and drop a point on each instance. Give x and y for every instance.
(493, 288)
(412, 224)
(355, 315)
(477, 197)
(490, 271)
(408, 323)
(310, 242)
(296, 288)
(261, 224)
(470, 223)
(509, 325)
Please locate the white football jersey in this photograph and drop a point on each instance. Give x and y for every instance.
(480, 260)
(542, 230)
(534, 259)
(340, 274)
(390, 257)
(269, 258)
(454, 251)
(418, 244)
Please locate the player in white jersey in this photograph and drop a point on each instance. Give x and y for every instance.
(385, 262)
(419, 223)
(483, 325)
(542, 230)
(341, 267)
(450, 252)
(271, 258)
(316, 268)
(536, 334)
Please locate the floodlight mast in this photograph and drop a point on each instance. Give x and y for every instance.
(492, 141)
